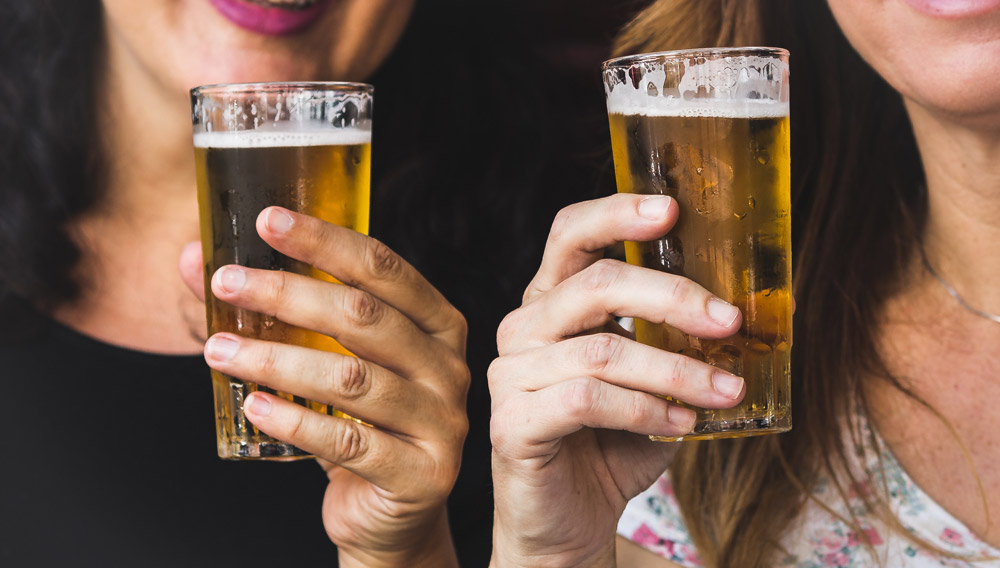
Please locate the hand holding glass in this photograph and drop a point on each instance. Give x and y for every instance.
(303, 146)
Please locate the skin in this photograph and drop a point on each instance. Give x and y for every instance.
(944, 353)
(584, 452)
(571, 460)
(385, 505)
(156, 52)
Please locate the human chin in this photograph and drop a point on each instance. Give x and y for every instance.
(943, 61)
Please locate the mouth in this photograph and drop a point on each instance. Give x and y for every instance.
(954, 9)
(290, 5)
(272, 17)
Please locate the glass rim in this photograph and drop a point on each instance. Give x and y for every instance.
(626, 61)
(346, 87)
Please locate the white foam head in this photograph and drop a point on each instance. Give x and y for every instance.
(267, 138)
(666, 106)
(717, 88)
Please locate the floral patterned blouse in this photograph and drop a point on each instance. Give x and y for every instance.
(653, 520)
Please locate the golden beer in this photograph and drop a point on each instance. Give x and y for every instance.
(323, 174)
(727, 164)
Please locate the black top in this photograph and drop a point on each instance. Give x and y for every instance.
(109, 459)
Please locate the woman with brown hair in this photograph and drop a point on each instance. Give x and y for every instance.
(894, 458)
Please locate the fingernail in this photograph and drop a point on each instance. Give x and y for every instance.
(729, 386)
(722, 313)
(221, 348)
(257, 405)
(683, 417)
(232, 278)
(278, 221)
(654, 208)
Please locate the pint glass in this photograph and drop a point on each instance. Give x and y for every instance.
(710, 128)
(303, 146)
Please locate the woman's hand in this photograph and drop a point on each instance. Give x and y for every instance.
(573, 395)
(385, 504)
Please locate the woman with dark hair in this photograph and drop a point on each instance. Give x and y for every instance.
(109, 435)
(100, 192)
(894, 459)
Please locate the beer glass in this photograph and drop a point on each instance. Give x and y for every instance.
(710, 128)
(303, 146)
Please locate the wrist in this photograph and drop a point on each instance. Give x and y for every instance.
(512, 553)
(432, 548)
(605, 559)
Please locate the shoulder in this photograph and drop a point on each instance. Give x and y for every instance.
(878, 516)
(838, 526)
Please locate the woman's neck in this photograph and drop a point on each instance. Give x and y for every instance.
(944, 354)
(962, 236)
(133, 294)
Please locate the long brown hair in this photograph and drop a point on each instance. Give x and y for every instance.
(858, 212)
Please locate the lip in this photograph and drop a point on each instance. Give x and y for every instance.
(954, 9)
(269, 21)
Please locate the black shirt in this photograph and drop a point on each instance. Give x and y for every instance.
(109, 459)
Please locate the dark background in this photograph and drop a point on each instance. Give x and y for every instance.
(493, 111)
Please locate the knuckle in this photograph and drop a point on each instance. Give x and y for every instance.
(278, 286)
(600, 351)
(458, 321)
(499, 432)
(679, 289)
(458, 426)
(637, 412)
(561, 224)
(267, 360)
(530, 292)
(382, 262)
(349, 378)
(361, 308)
(460, 374)
(347, 442)
(677, 370)
(442, 481)
(455, 378)
(507, 330)
(295, 427)
(495, 373)
(601, 275)
(581, 398)
(316, 238)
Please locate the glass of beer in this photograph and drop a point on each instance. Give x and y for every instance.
(303, 146)
(710, 128)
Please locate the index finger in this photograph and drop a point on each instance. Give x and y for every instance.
(581, 232)
(365, 263)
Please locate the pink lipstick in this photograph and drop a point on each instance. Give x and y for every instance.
(271, 17)
(954, 9)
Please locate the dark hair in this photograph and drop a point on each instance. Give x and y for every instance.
(50, 173)
(858, 213)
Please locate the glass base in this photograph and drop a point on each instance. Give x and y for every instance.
(264, 449)
(742, 428)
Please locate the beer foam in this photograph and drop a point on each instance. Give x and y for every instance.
(741, 87)
(277, 138)
(674, 107)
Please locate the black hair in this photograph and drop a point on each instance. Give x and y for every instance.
(50, 55)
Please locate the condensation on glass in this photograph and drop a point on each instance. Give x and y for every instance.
(303, 146)
(710, 128)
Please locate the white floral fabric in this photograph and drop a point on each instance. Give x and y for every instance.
(820, 539)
